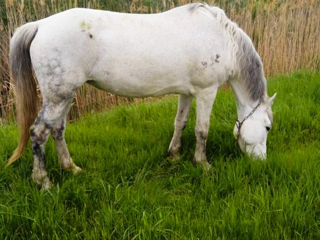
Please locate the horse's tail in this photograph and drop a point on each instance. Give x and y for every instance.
(25, 84)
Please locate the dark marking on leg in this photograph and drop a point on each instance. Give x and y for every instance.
(217, 58)
(39, 153)
(57, 133)
(36, 150)
(47, 126)
(90, 35)
(202, 136)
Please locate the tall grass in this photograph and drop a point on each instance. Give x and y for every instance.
(129, 190)
(285, 33)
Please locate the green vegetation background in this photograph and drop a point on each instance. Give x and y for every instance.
(124, 5)
(129, 189)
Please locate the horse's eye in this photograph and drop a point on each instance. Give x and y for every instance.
(268, 128)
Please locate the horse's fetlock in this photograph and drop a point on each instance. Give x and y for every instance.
(66, 164)
(174, 150)
(69, 165)
(200, 157)
(39, 175)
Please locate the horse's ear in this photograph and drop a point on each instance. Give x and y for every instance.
(272, 99)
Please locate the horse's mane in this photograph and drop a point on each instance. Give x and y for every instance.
(248, 60)
(251, 68)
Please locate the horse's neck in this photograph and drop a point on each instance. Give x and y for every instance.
(244, 102)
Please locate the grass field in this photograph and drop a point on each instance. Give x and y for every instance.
(129, 189)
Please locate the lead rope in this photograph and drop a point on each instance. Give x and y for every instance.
(239, 124)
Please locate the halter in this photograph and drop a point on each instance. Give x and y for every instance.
(239, 124)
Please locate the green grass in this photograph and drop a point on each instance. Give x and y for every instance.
(129, 189)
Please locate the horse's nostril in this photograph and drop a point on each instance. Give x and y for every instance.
(268, 129)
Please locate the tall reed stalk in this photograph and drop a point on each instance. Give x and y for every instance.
(285, 33)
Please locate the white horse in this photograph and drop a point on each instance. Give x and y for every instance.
(190, 50)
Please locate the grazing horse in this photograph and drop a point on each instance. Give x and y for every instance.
(191, 50)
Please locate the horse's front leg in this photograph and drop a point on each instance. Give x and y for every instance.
(179, 125)
(204, 104)
(65, 160)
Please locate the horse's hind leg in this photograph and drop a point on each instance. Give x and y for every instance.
(39, 133)
(180, 124)
(65, 160)
(48, 116)
(204, 101)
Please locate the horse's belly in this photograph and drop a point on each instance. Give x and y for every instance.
(136, 85)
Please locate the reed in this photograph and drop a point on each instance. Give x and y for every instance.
(285, 33)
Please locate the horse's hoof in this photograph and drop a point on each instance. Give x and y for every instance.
(46, 184)
(75, 169)
(41, 179)
(71, 167)
(173, 157)
(204, 164)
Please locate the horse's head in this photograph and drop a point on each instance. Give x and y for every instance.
(252, 131)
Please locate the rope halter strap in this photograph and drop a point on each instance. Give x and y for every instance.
(239, 123)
